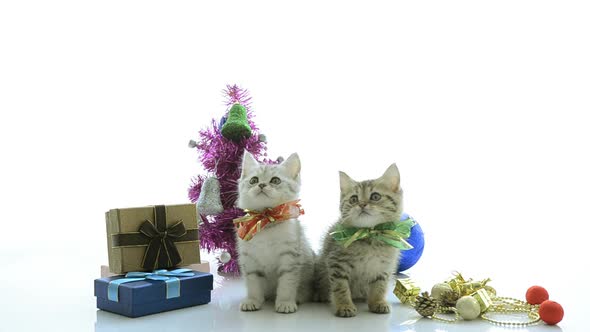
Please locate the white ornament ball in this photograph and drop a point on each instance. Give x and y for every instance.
(468, 307)
(439, 289)
(224, 257)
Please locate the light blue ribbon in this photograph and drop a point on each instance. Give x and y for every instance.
(169, 277)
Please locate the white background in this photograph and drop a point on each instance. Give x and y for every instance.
(483, 106)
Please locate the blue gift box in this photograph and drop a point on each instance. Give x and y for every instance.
(138, 293)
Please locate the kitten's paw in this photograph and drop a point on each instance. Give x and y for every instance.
(380, 307)
(250, 305)
(286, 307)
(347, 310)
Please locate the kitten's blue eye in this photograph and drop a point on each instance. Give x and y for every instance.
(275, 180)
(375, 196)
(254, 180)
(353, 199)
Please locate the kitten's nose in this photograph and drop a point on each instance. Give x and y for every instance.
(262, 185)
(362, 204)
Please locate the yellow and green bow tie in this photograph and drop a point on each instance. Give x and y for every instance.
(391, 233)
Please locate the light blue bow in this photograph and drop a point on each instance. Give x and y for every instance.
(169, 277)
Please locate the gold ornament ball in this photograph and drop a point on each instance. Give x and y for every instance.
(439, 289)
(468, 308)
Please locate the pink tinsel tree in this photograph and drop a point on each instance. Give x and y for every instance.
(222, 158)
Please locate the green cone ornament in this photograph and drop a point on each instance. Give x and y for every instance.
(236, 126)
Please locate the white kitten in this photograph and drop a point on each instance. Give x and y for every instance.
(278, 261)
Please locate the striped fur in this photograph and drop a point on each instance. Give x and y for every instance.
(363, 270)
(277, 262)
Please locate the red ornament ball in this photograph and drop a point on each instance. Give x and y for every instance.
(536, 295)
(551, 312)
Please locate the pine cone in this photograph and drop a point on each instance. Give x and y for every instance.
(425, 305)
(449, 298)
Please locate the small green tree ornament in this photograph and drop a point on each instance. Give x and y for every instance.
(236, 127)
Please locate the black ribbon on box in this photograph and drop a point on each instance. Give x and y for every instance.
(161, 249)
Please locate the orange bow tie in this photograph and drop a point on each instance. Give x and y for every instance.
(254, 221)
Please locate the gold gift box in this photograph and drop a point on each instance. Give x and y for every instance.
(456, 281)
(467, 287)
(406, 290)
(483, 298)
(152, 237)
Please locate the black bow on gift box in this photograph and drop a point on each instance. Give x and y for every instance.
(161, 251)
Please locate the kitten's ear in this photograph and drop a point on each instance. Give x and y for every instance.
(292, 165)
(248, 164)
(391, 178)
(346, 183)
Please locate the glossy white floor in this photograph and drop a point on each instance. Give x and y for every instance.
(222, 314)
(45, 296)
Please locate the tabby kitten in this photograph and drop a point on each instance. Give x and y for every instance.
(362, 270)
(278, 261)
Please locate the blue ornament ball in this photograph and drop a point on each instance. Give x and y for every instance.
(410, 257)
